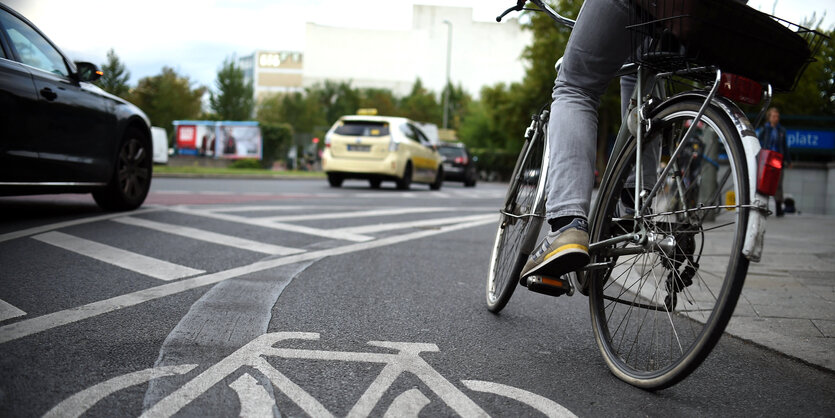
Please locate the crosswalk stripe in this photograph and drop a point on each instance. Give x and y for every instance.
(148, 266)
(207, 236)
(416, 224)
(355, 214)
(7, 311)
(327, 233)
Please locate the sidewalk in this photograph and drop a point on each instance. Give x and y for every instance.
(788, 302)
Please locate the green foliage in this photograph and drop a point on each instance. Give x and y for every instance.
(245, 163)
(381, 99)
(234, 99)
(459, 103)
(277, 138)
(497, 162)
(420, 105)
(168, 97)
(814, 94)
(334, 100)
(115, 77)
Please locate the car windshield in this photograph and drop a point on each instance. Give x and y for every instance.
(363, 128)
(452, 151)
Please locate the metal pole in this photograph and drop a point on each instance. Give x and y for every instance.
(448, 59)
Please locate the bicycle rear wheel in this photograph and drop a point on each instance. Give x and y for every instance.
(519, 224)
(660, 305)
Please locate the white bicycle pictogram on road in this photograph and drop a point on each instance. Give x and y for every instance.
(255, 400)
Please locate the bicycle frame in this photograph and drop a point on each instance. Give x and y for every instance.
(755, 228)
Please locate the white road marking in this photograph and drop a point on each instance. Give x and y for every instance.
(216, 193)
(368, 229)
(139, 263)
(42, 323)
(207, 236)
(8, 311)
(540, 403)
(356, 214)
(79, 403)
(255, 401)
(46, 228)
(407, 405)
(327, 233)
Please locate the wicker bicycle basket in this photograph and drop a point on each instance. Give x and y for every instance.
(671, 35)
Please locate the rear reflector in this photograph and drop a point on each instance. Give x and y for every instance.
(770, 165)
(740, 89)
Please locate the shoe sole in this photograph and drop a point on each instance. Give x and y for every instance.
(562, 262)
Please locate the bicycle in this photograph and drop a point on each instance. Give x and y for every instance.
(669, 255)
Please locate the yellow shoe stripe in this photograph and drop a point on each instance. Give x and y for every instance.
(567, 247)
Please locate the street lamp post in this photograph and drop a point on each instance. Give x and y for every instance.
(448, 59)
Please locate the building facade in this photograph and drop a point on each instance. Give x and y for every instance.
(273, 72)
(482, 53)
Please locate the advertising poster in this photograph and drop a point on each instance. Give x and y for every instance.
(225, 139)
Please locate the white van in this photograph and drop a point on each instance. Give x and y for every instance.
(160, 141)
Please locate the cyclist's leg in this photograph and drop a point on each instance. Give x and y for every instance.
(597, 48)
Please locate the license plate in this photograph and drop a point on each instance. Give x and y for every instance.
(361, 148)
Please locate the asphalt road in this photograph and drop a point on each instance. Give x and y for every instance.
(281, 297)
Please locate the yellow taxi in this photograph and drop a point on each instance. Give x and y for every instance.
(381, 148)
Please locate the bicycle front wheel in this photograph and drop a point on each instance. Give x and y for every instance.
(519, 224)
(660, 304)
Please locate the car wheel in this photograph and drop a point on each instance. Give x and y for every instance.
(335, 180)
(131, 178)
(405, 182)
(375, 184)
(439, 179)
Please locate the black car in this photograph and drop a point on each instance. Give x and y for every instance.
(459, 164)
(61, 134)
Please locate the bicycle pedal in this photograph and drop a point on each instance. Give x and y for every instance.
(550, 286)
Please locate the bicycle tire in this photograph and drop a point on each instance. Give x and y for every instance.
(647, 341)
(516, 234)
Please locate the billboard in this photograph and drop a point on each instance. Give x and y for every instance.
(224, 139)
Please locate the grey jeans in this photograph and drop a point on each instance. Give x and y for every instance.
(597, 48)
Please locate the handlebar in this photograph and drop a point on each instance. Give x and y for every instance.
(520, 5)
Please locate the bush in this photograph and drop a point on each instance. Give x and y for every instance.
(277, 138)
(495, 164)
(246, 163)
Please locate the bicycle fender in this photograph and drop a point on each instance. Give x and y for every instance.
(752, 248)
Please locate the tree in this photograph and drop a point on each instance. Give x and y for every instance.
(234, 99)
(420, 105)
(814, 94)
(168, 97)
(381, 99)
(459, 102)
(335, 99)
(115, 77)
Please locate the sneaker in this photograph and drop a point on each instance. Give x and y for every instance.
(561, 251)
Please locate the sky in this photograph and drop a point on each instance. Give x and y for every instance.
(195, 36)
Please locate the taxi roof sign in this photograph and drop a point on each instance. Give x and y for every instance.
(369, 111)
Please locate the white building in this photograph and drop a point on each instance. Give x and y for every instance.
(483, 53)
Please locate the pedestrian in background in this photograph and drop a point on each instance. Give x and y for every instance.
(772, 137)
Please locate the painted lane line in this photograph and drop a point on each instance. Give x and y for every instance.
(542, 404)
(215, 193)
(358, 214)
(212, 237)
(8, 311)
(407, 405)
(46, 322)
(255, 400)
(139, 263)
(327, 233)
(78, 404)
(47, 228)
(368, 229)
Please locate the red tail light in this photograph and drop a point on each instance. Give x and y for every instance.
(740, 89)
(768, 172)
(460, 160)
